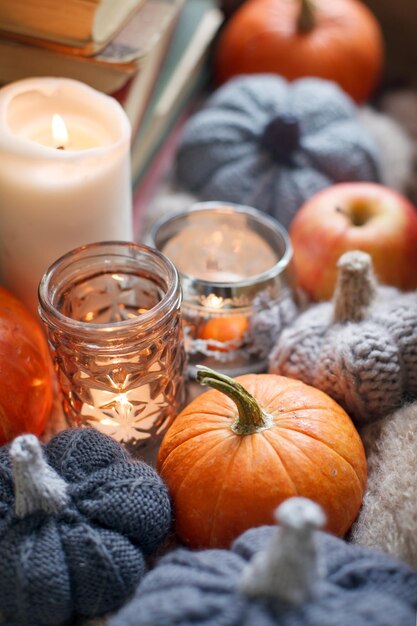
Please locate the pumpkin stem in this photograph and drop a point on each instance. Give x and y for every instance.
(288, 569)
(306, 20)
(251, 418)
(281, 137)
(37, 486)
(355, 287)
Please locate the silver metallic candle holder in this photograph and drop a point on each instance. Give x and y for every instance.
(234, 266)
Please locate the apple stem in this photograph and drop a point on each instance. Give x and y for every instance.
(356, 218)
(355, 287)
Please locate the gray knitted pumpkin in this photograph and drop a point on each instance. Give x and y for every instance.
(291, 576)
(77, 518)
(272, 144)
(360, 348)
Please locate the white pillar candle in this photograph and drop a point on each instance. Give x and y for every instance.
(59, 192)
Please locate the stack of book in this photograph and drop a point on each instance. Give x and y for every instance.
(149, 54)
(181, 77)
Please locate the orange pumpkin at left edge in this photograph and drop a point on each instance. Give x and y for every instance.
(239, 450)
(26, 371)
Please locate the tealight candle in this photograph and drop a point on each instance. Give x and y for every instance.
(112, 315)
(217, 247)
(234, 267)
(64, 176)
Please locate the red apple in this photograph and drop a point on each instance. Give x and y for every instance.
(354, 216)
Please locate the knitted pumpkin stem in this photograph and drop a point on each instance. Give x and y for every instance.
(355, 287)
(306, 20)
(288, 569)
(251, 418)
(37, 486)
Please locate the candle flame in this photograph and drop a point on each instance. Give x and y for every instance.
(214, 302)
(122, 399)
(59, 131)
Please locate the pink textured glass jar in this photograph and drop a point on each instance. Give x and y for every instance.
(112, 314)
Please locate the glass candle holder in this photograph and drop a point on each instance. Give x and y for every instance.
(112, 314)
(234, 265)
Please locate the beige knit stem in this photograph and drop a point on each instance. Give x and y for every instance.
(37, 486)
(355, 287)
(288, 568)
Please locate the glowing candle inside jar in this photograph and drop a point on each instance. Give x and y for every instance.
(112, 313)
(64, 176)
(234, 266)
(219, 249)
(213, 302)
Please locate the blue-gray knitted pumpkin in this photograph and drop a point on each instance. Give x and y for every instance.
(77, 518)
(271, 144)
(291, 576)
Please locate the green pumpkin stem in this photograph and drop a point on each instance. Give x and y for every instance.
(37, 486)
(288, 568)
(355, 287)
(306, 20)
(251, 418)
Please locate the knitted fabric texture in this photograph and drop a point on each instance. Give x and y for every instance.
(272, 144)
(358, 586)
(74, 538)
(388, 518)
(288, 568)
(37, 486)
(361, 348)
(397, 167)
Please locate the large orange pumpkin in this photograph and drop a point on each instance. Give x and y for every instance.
(26, 373)
(236, 452)
(337, 40)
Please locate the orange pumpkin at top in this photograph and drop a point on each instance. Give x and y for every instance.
(26, 371)
(239, 450)
(338, 40)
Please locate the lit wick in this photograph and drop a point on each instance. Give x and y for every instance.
(59, 132)
(212, 264)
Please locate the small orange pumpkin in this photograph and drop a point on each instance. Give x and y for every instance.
(237, 451)
(337, 40)
(26, 371)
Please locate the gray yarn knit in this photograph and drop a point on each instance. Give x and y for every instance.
(6, 484)
(272, 144)
(77, 518)
(361, 348)
(359, 587)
